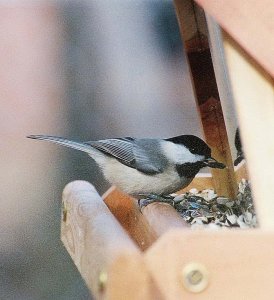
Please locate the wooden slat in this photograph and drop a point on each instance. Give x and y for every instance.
(250, 23)
(193, 16)
(239, 264)
(225, 90)
(96, 242)
(254, 100)
(206, 92)
(127, 212)
(216, 136)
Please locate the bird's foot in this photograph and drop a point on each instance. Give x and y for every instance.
(153, 198)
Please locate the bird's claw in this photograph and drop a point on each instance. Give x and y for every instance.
(154, 199)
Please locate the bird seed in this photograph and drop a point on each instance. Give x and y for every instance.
(206, 209)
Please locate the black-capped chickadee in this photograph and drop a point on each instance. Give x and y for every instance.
(146, 166)
(238, 146)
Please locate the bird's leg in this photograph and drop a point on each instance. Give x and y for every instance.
(153, 198)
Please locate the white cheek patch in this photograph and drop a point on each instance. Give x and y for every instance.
(179, 154)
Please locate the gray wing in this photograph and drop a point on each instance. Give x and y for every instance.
(131, 153)
(122, 149)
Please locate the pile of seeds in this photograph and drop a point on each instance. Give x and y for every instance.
(206, 209)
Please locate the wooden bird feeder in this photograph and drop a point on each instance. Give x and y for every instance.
(123, 253)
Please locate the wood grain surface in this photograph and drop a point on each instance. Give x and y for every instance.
(250, 23)
(127, 212)
(239, 263)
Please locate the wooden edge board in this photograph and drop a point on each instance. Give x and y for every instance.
(206, 94)
(207, 264)
(92, 236)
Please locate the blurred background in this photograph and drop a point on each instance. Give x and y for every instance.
(84, 70)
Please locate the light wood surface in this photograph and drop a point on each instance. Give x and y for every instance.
(94, 238)
(130, 279)
(253, 91)
(239, 263)
(250, 23)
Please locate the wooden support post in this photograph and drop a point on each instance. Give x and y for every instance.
(254, 99)
(194, 32)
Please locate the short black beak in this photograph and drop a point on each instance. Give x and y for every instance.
(213, 163)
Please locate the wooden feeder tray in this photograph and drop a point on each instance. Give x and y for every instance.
(123, 253)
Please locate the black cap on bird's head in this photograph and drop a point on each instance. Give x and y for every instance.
(197, 146)
(194, 144)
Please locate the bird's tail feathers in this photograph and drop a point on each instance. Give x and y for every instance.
(64, 142)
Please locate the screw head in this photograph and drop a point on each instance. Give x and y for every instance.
(195, 277)
(102, 280)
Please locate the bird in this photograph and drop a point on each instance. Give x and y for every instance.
(146, 167)
(238, 146)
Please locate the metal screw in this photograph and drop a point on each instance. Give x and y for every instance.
(102, 280)
(195, 277)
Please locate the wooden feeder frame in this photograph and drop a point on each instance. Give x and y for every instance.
(123, 253)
